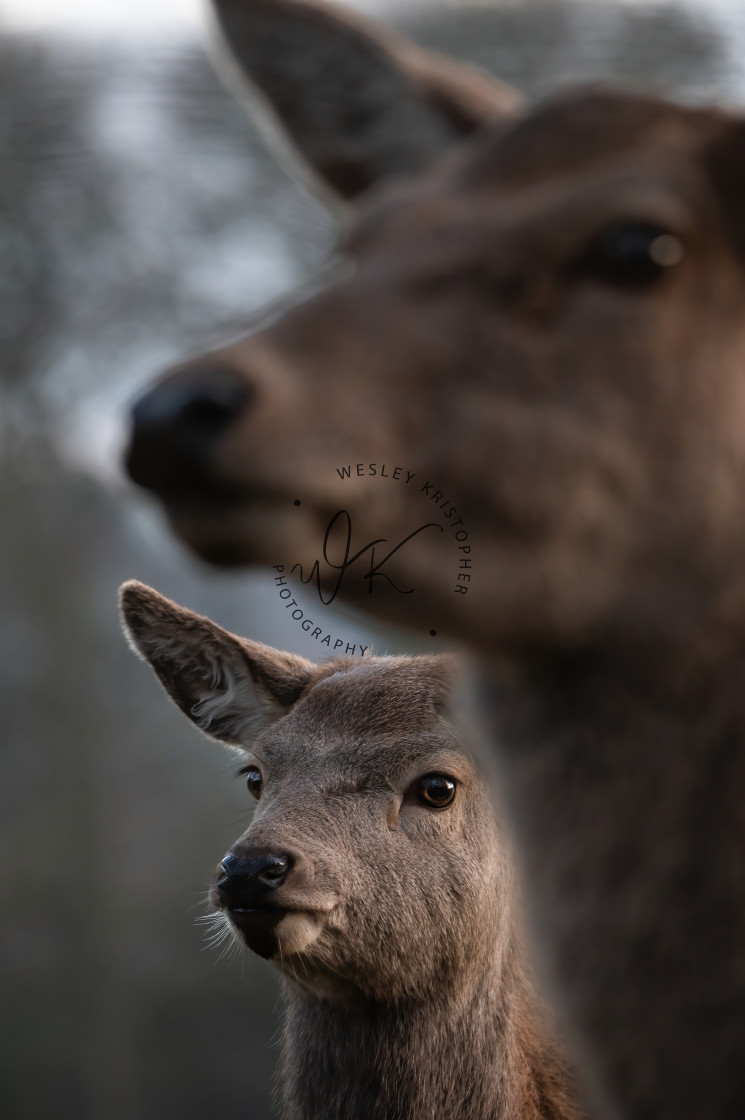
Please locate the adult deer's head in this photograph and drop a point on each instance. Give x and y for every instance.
(539, 313)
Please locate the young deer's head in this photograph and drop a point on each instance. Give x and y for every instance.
(541, 314)
(372, 866)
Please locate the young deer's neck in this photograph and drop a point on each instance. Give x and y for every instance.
(473, 1057)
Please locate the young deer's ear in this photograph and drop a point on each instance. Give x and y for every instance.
(359, 105)
(229, 687)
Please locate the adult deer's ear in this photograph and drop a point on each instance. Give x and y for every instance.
(725, 159)
(229, 687)
(357, 104)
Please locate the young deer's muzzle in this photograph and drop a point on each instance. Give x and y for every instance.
(247, 891)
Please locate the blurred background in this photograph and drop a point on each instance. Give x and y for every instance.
(141, 217)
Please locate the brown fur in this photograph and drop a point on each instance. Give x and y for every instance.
(406, 995)
(589, 431)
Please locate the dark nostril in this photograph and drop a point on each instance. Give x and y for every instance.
(192, 400)
(274, 870)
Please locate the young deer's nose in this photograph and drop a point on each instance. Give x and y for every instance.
(177, 424)
(248, 879)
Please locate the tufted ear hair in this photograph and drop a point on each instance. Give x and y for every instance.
(725, 160)
(357, 104)
(231, 688)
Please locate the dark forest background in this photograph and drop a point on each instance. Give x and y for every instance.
(140, 215)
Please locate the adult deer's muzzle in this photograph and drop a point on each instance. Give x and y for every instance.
(177, 426)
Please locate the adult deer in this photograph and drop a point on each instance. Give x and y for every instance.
(545, 317)
(373, 874)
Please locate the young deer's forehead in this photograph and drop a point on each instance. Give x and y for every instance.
(374, 719)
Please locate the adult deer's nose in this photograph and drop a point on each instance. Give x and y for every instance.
(248, 879)
(177, 425)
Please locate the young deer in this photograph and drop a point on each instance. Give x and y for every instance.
(545, 317)
(373, 875)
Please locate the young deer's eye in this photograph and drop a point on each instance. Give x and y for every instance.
(629, 255)
(254, 781)
(436, 790)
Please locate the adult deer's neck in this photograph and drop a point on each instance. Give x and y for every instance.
(642, 732)
(625, 783)
(478, 1057)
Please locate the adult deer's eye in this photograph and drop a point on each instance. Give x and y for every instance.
(436, 790)
(630, 255)
(254, 781)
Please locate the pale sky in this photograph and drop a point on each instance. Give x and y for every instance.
(118, 17)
